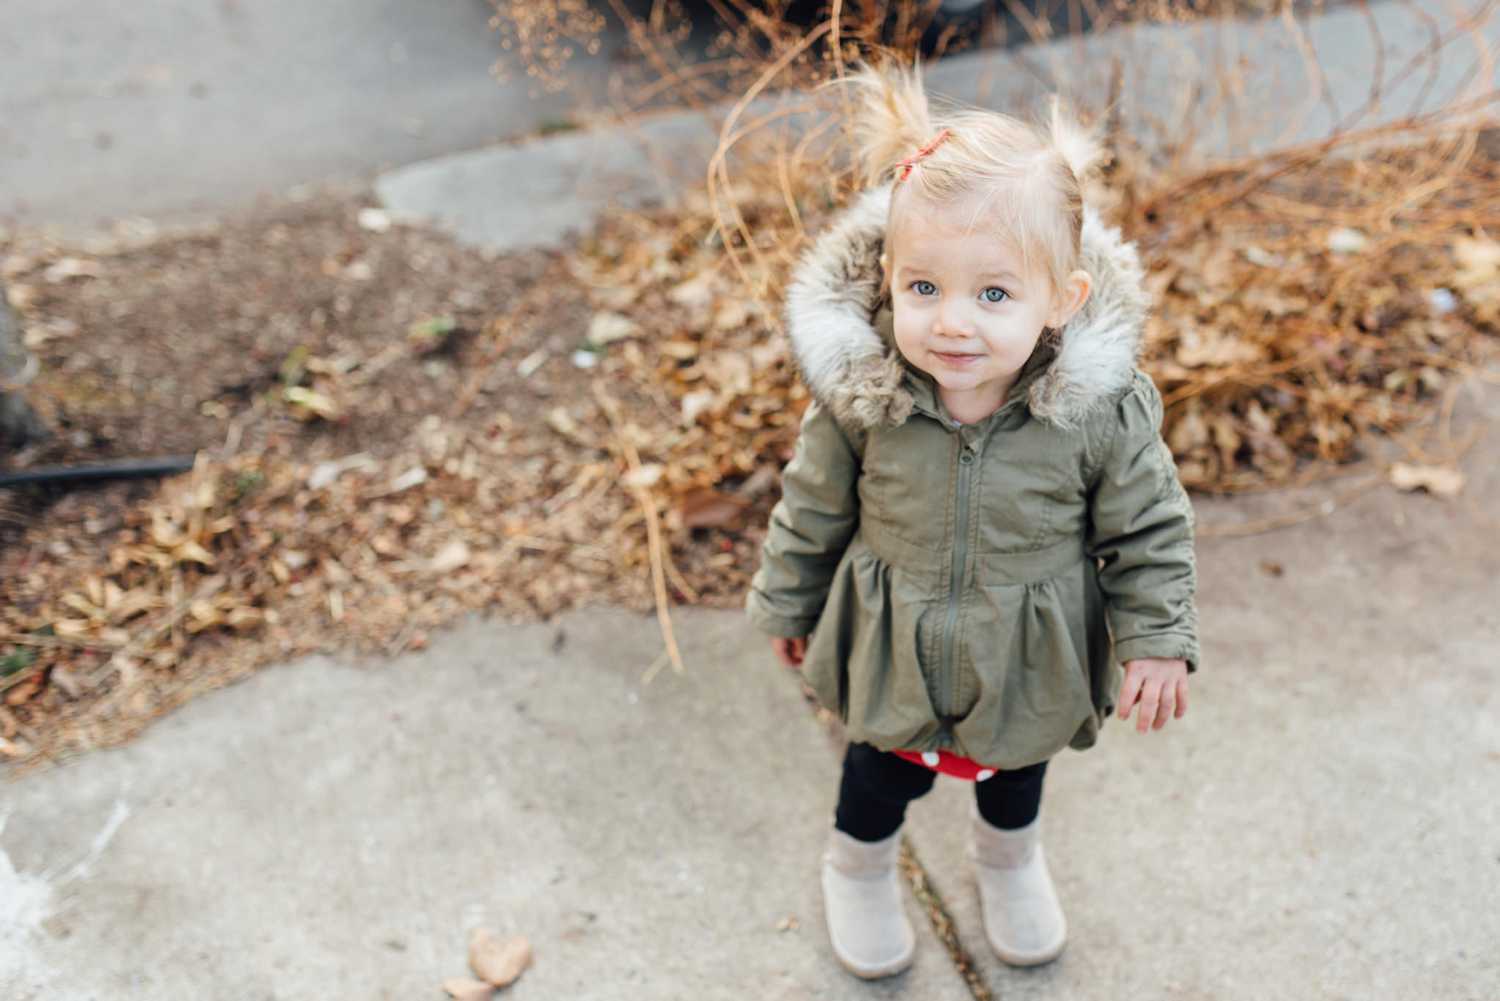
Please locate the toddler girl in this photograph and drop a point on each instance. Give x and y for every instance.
(980, 517)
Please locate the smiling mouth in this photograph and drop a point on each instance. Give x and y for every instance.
(954, 357)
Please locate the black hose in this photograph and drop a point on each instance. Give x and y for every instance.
(122, 470)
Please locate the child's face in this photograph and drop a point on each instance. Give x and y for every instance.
(966, 310)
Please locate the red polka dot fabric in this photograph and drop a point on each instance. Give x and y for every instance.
(948, 764)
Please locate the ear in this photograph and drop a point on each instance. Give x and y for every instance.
(885, 272)
(1075, 292)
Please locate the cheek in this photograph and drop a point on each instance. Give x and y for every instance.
(908, 333)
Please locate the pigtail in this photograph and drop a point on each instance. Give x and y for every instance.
(1079, 147)
(891, 118)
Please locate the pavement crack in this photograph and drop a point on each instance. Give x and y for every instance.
(943, 925)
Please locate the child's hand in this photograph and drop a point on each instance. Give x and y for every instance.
(1161, 686)
(790, 650)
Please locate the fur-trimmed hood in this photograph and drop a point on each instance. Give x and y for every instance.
(859, 376)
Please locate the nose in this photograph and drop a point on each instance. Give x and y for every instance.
(953, 320)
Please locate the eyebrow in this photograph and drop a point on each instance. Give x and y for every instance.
(1009, 276)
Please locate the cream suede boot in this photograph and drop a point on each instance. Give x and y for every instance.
(862, 902)
(1022, 917)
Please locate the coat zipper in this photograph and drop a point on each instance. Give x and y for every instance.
(960, 559)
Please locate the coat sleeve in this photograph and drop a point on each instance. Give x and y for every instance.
(1141, 529)
(810, 528)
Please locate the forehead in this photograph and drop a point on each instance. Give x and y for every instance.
(958, 235)
(938, 248)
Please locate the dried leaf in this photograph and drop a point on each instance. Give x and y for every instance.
(414, 477)
(729, 371)
(464, 989)
(1478, 263)
(644, 477)
(66, 681)
(707, 508)
(243, 617)
(20, 296)
(1439, 480)
(191, 552)
(451, 557)
(325, 473)
(496, 960)
(697, 402)
(71, 267)
(79, 603)
(1344, 240)
(312, 402)
(606, 328)
(732, 313)
(25, 690)
(680, 350)
(1199, 347)
(696, 292)
(559, 420)
(528, 365)
(374, 220)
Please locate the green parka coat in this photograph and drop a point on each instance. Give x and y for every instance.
(963, 585)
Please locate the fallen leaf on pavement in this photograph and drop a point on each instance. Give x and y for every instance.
(1434, 479)
(498, 960)
(464, 989)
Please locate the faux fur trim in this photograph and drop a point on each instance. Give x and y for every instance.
(848, 366)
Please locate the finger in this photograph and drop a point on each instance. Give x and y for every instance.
(1150, 697)
(1167, 707)
(1128, 692)
(1181, 697)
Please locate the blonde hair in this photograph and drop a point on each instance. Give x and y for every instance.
(1029, 178)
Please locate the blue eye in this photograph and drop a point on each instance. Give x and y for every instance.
(994, 294)
(923, 288)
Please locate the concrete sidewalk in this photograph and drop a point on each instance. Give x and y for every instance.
(326, 830)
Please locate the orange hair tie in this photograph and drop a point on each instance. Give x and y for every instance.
(911, 161)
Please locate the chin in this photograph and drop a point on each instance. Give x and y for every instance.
(952, 380)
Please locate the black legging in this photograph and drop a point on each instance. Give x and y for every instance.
(877, 786)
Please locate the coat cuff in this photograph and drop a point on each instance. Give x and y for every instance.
(1166, 646)
(767, 621)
